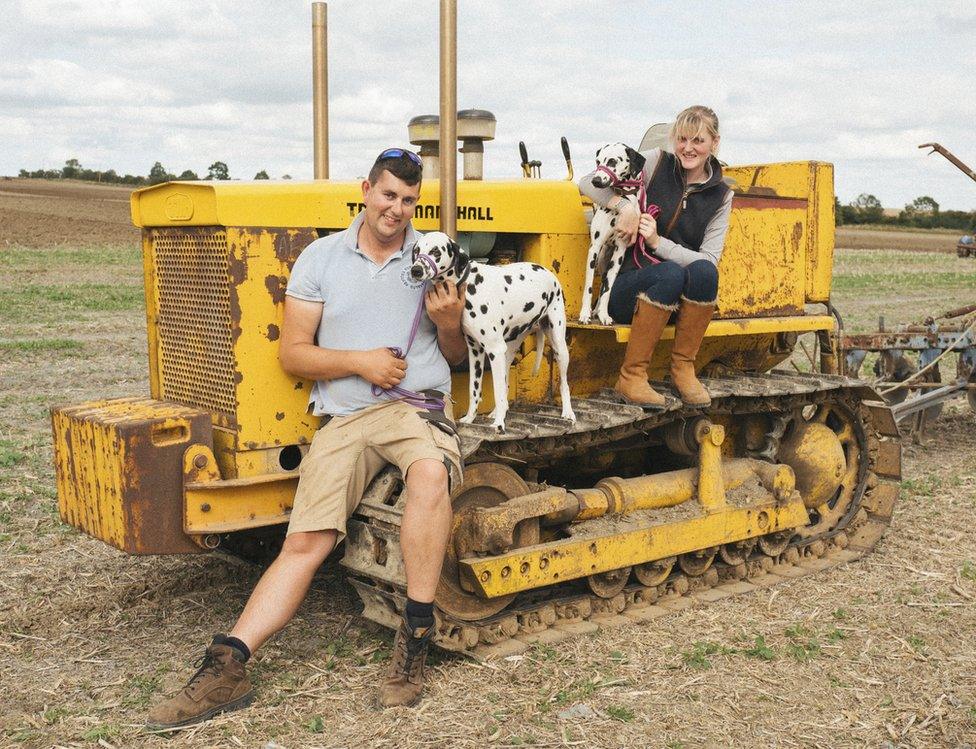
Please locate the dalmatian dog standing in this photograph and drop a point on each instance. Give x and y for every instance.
(502, 305)
(620, 167)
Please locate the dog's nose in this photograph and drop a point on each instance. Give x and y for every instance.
(599, 181)
(416, 272)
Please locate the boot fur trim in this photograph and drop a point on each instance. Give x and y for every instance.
(642, 297)
(696, 302)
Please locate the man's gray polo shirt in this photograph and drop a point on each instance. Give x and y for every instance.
(366, 306)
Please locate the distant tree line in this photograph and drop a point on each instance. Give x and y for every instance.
(72, 169)
(922, 213)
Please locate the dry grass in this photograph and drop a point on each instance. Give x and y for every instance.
(879, 651)
(889, 238)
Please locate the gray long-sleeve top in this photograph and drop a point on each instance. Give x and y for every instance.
(714, 240)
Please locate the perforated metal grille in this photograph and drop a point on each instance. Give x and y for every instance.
(197, 359)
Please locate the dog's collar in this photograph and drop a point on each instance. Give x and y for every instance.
(617, 182)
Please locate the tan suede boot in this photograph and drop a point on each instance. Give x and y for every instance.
(645, 331)
(693, 319)
(404, 682)
(219, 686)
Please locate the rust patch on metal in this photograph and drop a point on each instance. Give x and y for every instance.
(797, 235)
(280, 415)
(274, 333)
(276, 286)
(756, 202)
(238, 377)
(288, 244)
(299, 385)
(556, 265)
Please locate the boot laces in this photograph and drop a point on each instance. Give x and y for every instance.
(207, 664)
(411, 655)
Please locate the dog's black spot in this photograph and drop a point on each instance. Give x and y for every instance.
(536, 266)
(469, 291)
(596, 235)
(478, 279)
(482, 331)
(511, 316)
(484, 309)
(528, 306)
(491, 356)
(613, 222)
(472, 314)
(508, 279)
(501, 322)
(467, 304)
(620, 260)
(521, 276)
(593, 262)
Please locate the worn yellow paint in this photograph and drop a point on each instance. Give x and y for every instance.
(742, 327)
(576, 557)
(212, 505)
(812, 181)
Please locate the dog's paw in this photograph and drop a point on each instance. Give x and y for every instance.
(584, 317)
(569, 414)
(467, 419)
(604, 318)
(499, 426)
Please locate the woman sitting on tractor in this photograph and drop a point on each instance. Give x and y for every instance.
(677, 268)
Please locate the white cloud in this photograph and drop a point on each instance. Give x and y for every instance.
(119, 83)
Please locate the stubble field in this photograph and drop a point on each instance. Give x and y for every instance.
(876, 653)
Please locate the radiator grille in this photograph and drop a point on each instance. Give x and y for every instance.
(194, 322)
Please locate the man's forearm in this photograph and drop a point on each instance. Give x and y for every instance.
(452, 344)
(315, 363)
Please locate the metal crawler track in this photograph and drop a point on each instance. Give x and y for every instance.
(554, 613)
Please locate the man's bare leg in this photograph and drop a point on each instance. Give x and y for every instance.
(426, 527)
(283, 586)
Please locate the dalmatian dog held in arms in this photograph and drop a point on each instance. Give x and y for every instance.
(619, 167)
(502, 305)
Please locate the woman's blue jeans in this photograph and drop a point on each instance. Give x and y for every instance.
(664, 284)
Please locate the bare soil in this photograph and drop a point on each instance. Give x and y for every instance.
(42, 213)
(861, 238)
(877, 653)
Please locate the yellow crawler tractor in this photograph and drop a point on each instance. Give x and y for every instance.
(558, 526)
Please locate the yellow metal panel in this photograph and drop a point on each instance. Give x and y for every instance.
(558, 561)
(814, 182)
(271, 405)
(740, 327)
(499, 206)
(761, 271)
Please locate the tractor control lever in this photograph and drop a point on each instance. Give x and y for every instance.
(569, 161)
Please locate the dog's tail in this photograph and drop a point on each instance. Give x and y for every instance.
(540, 345)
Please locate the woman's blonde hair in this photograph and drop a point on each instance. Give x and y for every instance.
(694, 121)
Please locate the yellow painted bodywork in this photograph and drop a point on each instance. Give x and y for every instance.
(225, 250)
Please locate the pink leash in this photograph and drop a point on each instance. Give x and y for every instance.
(418, 400)
(652, 210)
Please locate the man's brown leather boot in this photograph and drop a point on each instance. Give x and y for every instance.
(405, 680)
(693, 319)
(219, 686)
(645, 331)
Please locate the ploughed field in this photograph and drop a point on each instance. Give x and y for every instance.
(880, 650)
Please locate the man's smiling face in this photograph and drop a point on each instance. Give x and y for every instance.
(389, 205)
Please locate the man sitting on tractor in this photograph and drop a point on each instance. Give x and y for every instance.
(348, 294)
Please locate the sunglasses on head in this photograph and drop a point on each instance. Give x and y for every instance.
(396, 153)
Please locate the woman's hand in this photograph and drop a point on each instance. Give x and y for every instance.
(648, 229)
(627, 222)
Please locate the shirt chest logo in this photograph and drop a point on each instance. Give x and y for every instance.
(409, 281)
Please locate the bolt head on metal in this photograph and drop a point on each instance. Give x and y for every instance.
(200, 461)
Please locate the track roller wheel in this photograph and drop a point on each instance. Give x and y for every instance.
(608, 584)
(485, 485)
(654, 573)
(695, 563)
(774, 544)
(737, 552)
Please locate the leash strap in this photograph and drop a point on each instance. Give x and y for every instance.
(642, 205)
(418, 400)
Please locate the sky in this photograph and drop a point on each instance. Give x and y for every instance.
(124, 83)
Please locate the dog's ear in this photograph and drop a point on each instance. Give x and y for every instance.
(461, 258)
(636, 161)
(415, 252)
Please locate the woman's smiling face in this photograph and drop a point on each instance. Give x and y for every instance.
(693, 149)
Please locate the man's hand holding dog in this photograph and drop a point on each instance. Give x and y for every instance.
(379, 366)
(445, 303)
(648, 230)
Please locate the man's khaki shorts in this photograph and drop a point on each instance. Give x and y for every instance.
(348, 452)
